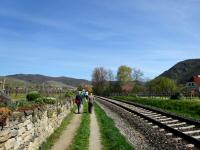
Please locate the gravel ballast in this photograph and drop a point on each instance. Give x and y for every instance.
(134, 137)
(139, 132)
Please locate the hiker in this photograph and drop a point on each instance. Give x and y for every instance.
(90, 103)
(86, 95)
(78, 101)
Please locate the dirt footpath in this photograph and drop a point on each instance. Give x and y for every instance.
(69, 133)
(95, 137)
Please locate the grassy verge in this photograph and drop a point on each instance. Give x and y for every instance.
(187, 108)
(111, 136)
(48, 144)
(81, 140)
(17, 97)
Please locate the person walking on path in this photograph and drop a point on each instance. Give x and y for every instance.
(78, 102)
(90, 103)
(86, 95)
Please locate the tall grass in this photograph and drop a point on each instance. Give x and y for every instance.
(111, 137)
(187, 108)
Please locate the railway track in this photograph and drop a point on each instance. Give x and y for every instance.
(186, 129)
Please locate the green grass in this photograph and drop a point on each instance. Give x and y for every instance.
(187, 108)
(111, 137)
(48, 144)
(81, 139)
(18, 96)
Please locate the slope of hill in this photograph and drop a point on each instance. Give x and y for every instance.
(183, 71)
(12, 82)
(20, 79)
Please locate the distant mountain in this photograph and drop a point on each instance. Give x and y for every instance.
(52, 81)
(183, 70)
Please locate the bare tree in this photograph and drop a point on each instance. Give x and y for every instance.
(99, 80)
(137, 74)
(110, 75)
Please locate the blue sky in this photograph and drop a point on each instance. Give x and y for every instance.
(71, 37)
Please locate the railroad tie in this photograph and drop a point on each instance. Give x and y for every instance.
(167, 122)
(184, 128)
(177, 124)
(165, 119)
(192, 132)
(196, 137)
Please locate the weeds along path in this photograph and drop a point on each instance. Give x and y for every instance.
(67, 136)
(95, 137)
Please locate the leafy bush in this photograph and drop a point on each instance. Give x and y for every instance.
(39, 100)
(70, 94)
(5, 112)
(49, 100)
(33, 96)
(2, 105)
(23, 104)
(178, 96)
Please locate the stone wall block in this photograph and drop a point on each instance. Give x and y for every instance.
(27, 130)
(10, 144)
(4, 135)
(14, 133)
(21, 130)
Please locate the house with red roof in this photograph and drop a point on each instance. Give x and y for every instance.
(193, 85)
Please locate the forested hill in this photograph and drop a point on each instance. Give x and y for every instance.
(39, 79)
(183, 71)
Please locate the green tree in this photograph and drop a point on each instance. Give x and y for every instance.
(162, 85)
(124, 74)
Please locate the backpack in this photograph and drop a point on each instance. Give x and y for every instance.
(77, 101)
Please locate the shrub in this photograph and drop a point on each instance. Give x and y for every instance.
(2, 104)
(39, 100)
(178, 96)
(23, 104)
(33, 96)
(70, 94)
(49, 100)
(4, 111)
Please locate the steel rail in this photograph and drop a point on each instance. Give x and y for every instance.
(186, 137)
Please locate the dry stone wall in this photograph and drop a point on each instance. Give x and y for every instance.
(27, 130)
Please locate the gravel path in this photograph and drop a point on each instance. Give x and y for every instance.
(134, 137)
(68, 135)
(95, 137)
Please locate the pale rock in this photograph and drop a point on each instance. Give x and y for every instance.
(19, 141)
(14, 133)
(20, 125)
(29, 126)
(4, 135)
(2, 145)
(21, 130)
(10, 143)
(27, 138)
